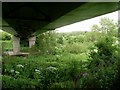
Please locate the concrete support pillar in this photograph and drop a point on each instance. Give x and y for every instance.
(32, 41)
(16, 45)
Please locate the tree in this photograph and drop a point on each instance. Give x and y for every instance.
(104, 56)
(45, 43)
(5, 35)
(106, 26)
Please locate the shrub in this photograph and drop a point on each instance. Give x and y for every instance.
(76, 48)
(19, 83)
(66, 84)
(7, 45)
(103, 62)
(45, 43)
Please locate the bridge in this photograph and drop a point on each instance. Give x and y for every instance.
(25, 19)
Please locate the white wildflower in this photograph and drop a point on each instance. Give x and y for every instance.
(47, 52)
(17, 72)
(58, 56)
(36, 70)
(116, 42)
(20, 66)
(12, 71)
(95, 50)
(56, 47)
(51, 68)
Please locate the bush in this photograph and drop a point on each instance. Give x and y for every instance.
(45, 70)
(76, 48)
(7, 45)
(103, 63)
(66, 84)
(45, 43)
(5, 36)
(24, 49)
(19, 83)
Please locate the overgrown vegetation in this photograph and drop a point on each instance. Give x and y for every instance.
(6, 42)
(75, 60)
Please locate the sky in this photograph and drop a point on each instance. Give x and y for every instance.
(86, 24)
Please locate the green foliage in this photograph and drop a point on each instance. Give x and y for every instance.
(5, 36)
(73, 60)
(45, 43)
(24, 49)
(66, 84)
(76, 48)
(104, 58)
(7, 45)
(19, 83)
(5, 42)
(44, 70)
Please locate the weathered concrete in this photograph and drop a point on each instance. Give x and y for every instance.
(85, 11)
(32, 41)
(16, 45)
(11, 53)
(5, 27)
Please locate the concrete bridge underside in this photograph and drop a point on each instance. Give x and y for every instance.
(23, 19)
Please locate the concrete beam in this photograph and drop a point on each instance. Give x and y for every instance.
(6, 27)
(84, 12)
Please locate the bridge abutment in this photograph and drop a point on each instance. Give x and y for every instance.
(16, 45)
(32, 41)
